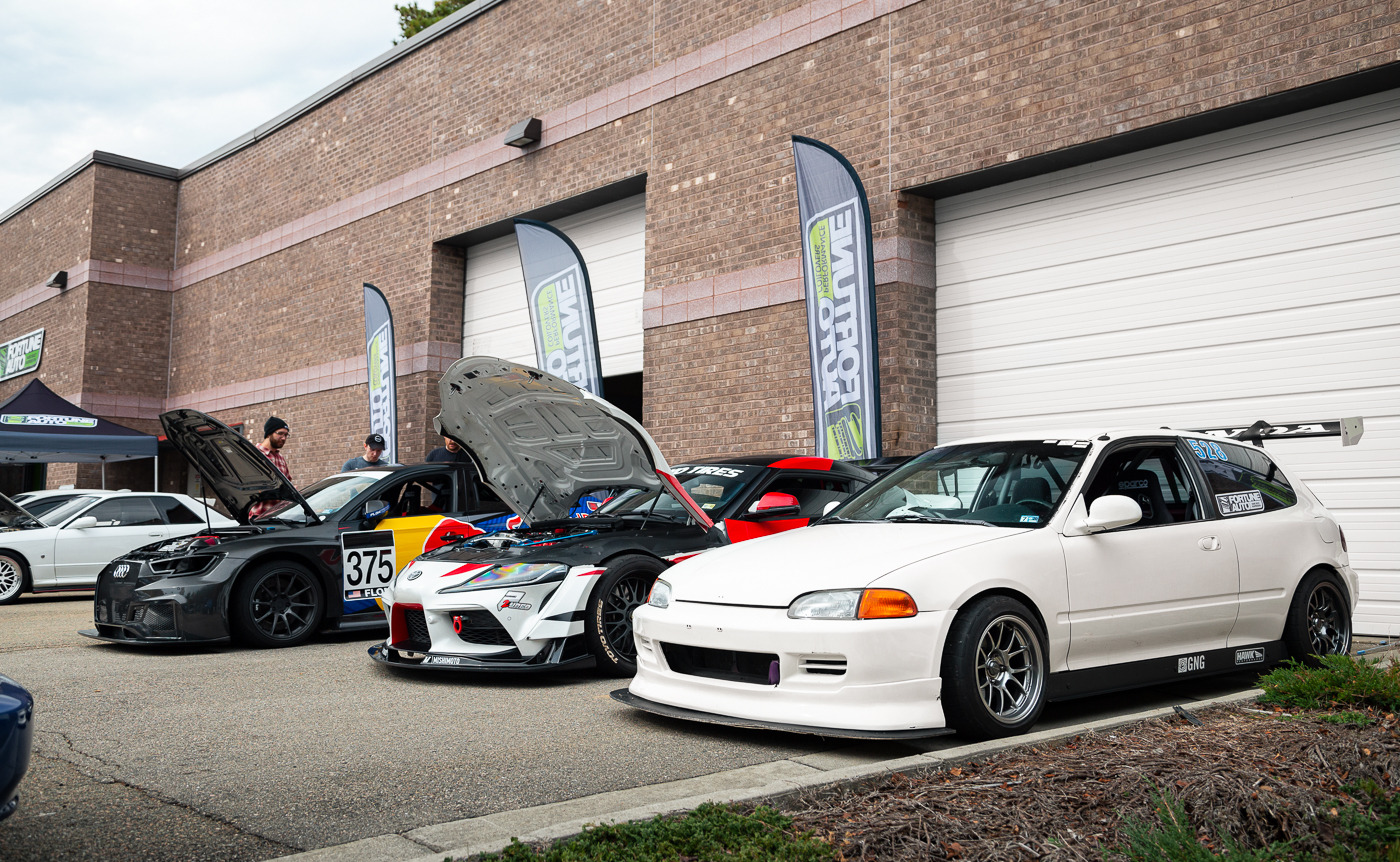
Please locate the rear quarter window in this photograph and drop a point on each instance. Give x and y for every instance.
(1243, 480)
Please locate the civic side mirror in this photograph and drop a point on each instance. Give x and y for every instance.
(82, 523)
(773, 506)
(1110, 512)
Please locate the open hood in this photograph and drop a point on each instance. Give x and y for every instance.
(234, 470)
(540, 442)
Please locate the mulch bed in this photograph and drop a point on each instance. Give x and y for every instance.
(1259, 777)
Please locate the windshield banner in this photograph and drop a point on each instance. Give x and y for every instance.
(838, 272)
(379, 357)
(561, 305)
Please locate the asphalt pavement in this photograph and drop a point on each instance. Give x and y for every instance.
(316, 752)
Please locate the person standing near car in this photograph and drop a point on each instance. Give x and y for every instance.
(450, 451)
(373, 457)
(275, 434)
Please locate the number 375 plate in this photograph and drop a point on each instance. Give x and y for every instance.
(367, 563)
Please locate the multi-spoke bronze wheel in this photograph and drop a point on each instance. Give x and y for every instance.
(994, 669)
(1319, 620)
(277, 604)
(623, 588)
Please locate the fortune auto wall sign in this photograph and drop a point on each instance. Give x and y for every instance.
(21, 355)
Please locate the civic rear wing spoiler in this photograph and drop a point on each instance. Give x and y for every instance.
(1350, 430)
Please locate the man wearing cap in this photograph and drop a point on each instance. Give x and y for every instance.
(374, 448)
(275, 434)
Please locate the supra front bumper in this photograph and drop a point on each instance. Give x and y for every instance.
(757, 667)
(144, 608)
(543, 661)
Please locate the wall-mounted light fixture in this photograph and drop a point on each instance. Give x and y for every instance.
(524, 133)
(58, 279)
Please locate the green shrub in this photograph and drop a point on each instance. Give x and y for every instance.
(710, 832)
(1172, 839)
(1368, 831)
(1337, 680)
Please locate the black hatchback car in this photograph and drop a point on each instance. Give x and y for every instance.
(316, 562)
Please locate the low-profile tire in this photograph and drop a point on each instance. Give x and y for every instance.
(1319, 620)
(622, 589)
(14, 578)
(994, 669)
(276, 604)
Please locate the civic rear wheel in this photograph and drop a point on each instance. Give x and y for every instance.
(276, 604)
(994, 670)
(623, 588)
(12, 579)
(1319, 620)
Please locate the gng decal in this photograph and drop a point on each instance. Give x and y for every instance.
(1239, 503)
(1191, 663)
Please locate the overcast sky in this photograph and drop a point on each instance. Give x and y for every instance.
(162, 80)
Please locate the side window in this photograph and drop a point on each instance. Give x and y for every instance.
(176, 512)
(813, 492)
(129, 512)
(424, 495)
(1243, 479)
(1155, 477)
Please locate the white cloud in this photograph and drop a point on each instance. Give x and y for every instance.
(165, 81)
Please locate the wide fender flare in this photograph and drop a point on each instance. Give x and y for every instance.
(330, 577)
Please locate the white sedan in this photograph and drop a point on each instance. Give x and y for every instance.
(67, 546)
(965, 589)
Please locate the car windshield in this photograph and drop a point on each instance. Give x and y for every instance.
(326, 497)
(12, 515)
(711, 486)
(39, 506)
(1001, 484)
(67, 509)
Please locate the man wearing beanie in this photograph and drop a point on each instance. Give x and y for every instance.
(275, 433)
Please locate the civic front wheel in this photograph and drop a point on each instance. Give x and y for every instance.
(994, 669)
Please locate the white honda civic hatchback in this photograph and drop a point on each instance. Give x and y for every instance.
(982, 579)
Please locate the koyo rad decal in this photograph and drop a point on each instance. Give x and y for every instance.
(367, 563)
(838, 275)
(1239, 503)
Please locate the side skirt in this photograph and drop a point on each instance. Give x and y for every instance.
(1070, 684)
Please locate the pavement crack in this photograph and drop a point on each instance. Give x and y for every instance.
(146, 792)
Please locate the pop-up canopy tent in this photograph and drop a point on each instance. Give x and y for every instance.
(36, 426)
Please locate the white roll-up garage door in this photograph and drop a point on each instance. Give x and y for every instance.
(612, 239)
(1250, 274)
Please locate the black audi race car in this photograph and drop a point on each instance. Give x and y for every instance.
(561, 591)
(315, 561)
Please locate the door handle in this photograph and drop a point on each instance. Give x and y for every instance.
(1209, 543)
(154, 534)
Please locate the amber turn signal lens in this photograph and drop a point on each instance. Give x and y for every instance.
(884, 604)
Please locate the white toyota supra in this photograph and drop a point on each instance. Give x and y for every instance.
(983, 578)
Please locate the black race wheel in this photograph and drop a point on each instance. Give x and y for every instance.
(276, 604)
(13, 579)
(1319, 620)
(994, 669)
(623, 588)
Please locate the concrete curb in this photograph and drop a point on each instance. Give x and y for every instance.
(773, 781)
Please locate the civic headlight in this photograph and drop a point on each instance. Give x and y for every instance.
(510, 575)
(660, 594)
(853, 604)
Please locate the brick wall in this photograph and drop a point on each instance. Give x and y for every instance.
(910, 92)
